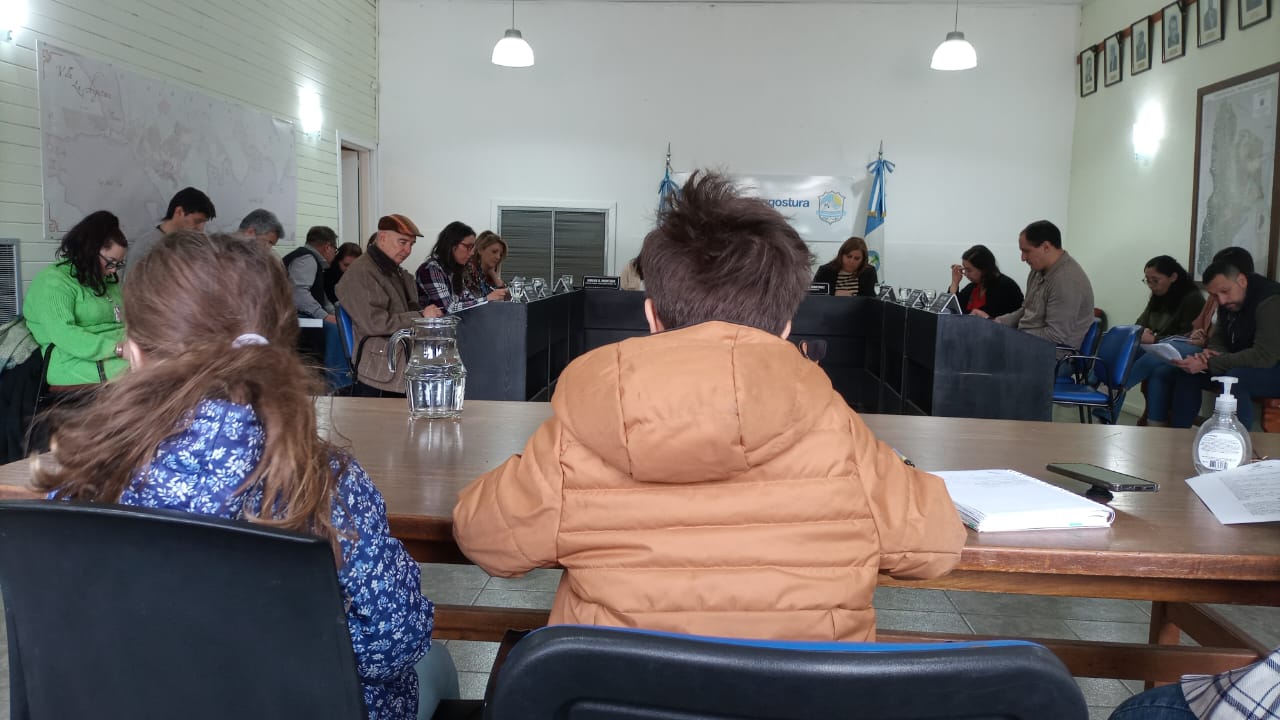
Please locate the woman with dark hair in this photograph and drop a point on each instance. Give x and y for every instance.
(217, 417)
(347, 254)
(1174, 303)
(442, 278)
(850, 272)
(485, 269)
(75, 306)
(990, 293)
(1172, 309)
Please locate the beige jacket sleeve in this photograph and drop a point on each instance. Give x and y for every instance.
(919, 530)
(507, 520)
(370, 306)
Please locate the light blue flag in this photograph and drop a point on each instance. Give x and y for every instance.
(667, 187)
(876, 208)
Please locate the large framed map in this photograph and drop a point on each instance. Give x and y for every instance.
(120, 141)
(1234, 198)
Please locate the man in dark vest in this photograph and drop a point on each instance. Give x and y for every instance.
(306, 267)
(1245, 344)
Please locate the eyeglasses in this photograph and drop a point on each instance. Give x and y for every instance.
(1150, 281)
(469, 246)
(111, 263)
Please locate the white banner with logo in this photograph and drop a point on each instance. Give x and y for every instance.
(822, 208)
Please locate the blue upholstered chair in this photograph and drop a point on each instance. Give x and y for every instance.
(615, 674)
(348, 333)
(1108, 367)
(1088, 348)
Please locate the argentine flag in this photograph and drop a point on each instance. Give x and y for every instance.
(667, 187)
(876, 211)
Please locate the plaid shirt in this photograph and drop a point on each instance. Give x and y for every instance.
(435, 288)
(1249, 693)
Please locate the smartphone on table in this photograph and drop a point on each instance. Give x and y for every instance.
(1101, 477)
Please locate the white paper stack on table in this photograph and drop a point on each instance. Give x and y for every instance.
(1002, 500)
(1245, 494)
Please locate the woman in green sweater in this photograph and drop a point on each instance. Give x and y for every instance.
(75, 306)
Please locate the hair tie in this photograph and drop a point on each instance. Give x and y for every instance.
(249, 339)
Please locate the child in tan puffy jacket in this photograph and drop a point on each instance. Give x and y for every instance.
(707, 478)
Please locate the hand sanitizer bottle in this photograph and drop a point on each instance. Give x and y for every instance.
(1222, 443)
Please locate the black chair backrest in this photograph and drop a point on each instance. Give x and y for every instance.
(118, 612)
(589, 673)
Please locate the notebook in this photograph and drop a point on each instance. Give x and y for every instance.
(1003, 500)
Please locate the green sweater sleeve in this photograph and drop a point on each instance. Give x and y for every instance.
(62, 312)
(1265, 351)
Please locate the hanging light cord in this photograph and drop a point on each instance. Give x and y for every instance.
(957, 24)
(513, 12)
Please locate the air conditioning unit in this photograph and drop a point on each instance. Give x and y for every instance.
(10, 280)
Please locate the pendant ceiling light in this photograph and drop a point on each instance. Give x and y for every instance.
(955, 53)
(512, 50)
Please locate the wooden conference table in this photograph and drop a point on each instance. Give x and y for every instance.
(1164, 547)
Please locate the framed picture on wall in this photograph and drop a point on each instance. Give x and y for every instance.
(1140, 46)
(1234, 198)
(1173, 31)
(1210, 21)
(1088, 72)
(1252, 12)
(1114, 71)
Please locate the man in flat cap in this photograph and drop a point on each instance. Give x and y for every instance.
(381, 298)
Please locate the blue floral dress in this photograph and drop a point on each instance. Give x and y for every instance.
(199, 469)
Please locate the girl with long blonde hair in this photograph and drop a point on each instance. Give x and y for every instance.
(216, 417)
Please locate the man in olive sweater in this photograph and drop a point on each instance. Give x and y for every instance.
(1245, 345)
(1059, 302)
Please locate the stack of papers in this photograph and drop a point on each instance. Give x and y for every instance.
(1164, 351)
(1245, 494)
(1002, 500)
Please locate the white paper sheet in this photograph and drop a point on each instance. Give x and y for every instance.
(1164, 351)
(1246, 494)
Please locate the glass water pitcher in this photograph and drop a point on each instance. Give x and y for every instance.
(435, 379)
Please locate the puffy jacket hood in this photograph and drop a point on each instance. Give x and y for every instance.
(673, 407)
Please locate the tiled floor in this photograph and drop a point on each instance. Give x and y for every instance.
(897, 609)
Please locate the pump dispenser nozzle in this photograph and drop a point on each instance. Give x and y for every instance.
(1226, 402)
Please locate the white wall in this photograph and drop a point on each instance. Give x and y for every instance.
(1124, 211)
(798, 88)
(257, 54)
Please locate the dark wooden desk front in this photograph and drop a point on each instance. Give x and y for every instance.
(880, 357)
(1164, 547)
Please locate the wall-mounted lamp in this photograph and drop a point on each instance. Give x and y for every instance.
(512, 50)
(1148, 131)
(13, 16)
(309, 111)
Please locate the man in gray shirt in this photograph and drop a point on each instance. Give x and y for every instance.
(306, 267)
(189, 209)
(262, 224)
(1059, 302)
